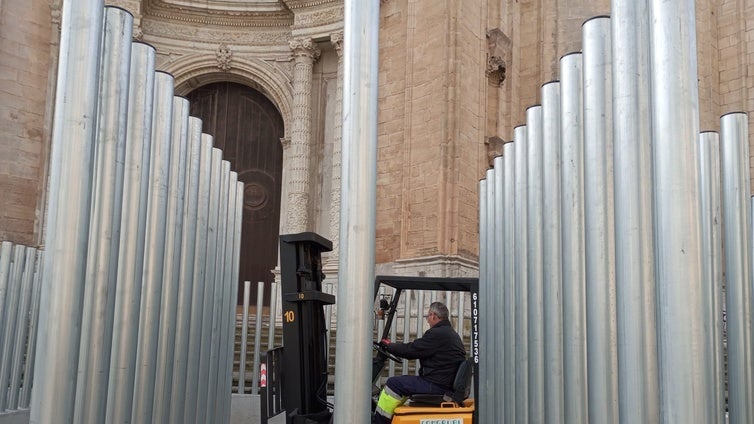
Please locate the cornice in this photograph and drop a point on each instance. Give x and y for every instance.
(217, 16)
(302, 4)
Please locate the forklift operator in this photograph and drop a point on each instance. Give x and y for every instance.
(439, 351)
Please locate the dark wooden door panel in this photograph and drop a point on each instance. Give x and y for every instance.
(248, 128)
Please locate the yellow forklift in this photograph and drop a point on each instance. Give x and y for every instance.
(295, 375)
(454, 407)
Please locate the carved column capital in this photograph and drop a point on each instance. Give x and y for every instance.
(304, 47)
(336, 39)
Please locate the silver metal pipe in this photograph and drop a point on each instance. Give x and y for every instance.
(26, 284)
(634, 234)
(357, 218)
(31, 345)
(573, 261)
(229, 302)
(596, 393)
(257, 338)
(535, 272)
(684, 390)
(483, 383)
(200, 272)
(12, 301)
(244, 338)
(522, 372)
(496, 298)
(73, 133)
(132, 228)
(486, 294)
(104, 229)
(509, 277)
(186, 273)
(6, 253)
(273, 309)
(154, 258)
(552, 254)
(709, 193)
(734, 152)
(172, 263)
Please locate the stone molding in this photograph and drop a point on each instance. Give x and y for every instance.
(431, 266)
(213, 14)
(176, 30)
(224, 56)
(305, 47)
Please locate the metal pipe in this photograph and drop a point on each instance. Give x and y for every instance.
(486, 294)
(154, 259)
(535, 272)
(6, 253)
(12, 301)
(684, 390)
(186, 273)
(357, 219)
(734, 152)
(522, 372)
(709, 193)
(205, 347)
(104, 229)
(483, 276)
(257, 338)
(200, 272)
(25, 396)
(244, 336)
(132, 228)
(73, 133)
(509, 277)
(172, 264)
(552, 254)
(22, 327)
(596, 393)
(573, 261)
(496, 293)
(638, 391)
(273, 308)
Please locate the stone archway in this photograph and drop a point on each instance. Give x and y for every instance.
(247, 126)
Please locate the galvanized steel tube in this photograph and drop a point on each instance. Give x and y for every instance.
(521, 354)
(186, 273)
(236, 256)
(486, 295)
(31, 345)
(22, 327)
(73, 133)
(357, 218)
(229, 302)
(132, 228)
(534, 262)
(6, 254)
(244, 338)
(12, 301)
(573, 261)
(685, 394)
(710, 194)
(634, 233)
(509, 284)
(552, 299)
(104, 229)
(497, 326)
(597, 396)
(257, 339)
(734, 152)
(483, 276)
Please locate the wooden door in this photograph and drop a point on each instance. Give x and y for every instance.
(248, 127)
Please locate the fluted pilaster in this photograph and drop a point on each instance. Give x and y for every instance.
(305, 53)
(337, 41)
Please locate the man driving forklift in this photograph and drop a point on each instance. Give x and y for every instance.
(439, 351)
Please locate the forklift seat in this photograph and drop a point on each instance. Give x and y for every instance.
(461, 388)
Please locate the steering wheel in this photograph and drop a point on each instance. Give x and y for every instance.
(381, 350)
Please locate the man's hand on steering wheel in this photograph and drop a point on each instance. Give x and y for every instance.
(381, 348)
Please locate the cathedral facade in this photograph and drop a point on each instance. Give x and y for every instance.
(265, 77)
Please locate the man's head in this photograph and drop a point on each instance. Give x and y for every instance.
(437, 312)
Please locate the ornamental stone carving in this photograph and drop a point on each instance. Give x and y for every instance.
(304, 47)
(224, 56)
(336, 39)
(498, 56)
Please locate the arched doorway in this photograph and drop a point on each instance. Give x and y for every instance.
(248, 128)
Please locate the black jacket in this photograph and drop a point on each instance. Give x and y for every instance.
(439, 351)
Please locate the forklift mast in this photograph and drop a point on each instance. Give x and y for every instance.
(304, 358)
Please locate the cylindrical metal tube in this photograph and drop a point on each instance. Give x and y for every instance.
(244, 336)
(734, 152)
(496, 298)
(132, 230)
(257, 338)
(200, 272)
(22, 327)
(572, 221)
(483, 383)
(684, 390)
(357, 219)
(6, 254)
(634, 234)
(709, 194)
(154, 255)
(596, 394)
(486, 294)
(535, 271)
(31, 346)
(521, 335)
(552, 254)
(186, 273)
(66, 236)
(104, 229)
(8, 338)
(509, 277)
(172, 263)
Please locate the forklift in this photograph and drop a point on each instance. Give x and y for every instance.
(294, 387)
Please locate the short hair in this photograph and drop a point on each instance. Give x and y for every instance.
(439, 309)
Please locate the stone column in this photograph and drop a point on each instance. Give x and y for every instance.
(332, 262)
(305, 52)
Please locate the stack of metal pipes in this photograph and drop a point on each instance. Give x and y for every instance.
(616, 240)
(142, 240)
